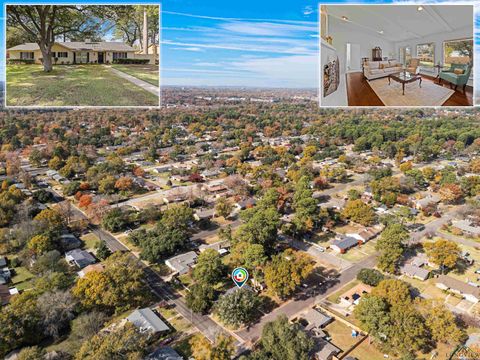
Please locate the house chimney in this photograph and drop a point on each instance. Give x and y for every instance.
(145, 31)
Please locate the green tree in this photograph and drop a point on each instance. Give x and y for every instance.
(370, 277)
(101, 250)
(118, 287)
(125, 342)
(305, 206)
(200, 297)
(106, 185)
(442, 323)
(40, 244)
(443, 253)
(20, 323)
(115, 220)
(390, 245)
(286, 271)
(238, 307)
(390, 316)
(283, 340)
(179, 217)
(209, 268)
(223, 207)
(260, 227)
(359, 212)
(160, 242)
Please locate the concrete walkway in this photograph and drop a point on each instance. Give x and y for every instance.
(155, 90)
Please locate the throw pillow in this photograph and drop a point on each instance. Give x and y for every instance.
(381, 66)
(373, 65)
(458, 71)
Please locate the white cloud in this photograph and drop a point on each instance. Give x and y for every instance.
(267, 28)
(247, 47)
(308, 10)
(191, 48)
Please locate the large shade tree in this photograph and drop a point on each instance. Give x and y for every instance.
(47, 23)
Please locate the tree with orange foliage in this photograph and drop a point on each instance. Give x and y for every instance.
(138, 171)
(124, 183)
(85, 201)
(451, 193)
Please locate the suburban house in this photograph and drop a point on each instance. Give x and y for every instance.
(342, 245)
(316, 320)
(80, 258)
(466, 227)
(164, 353)
(182, 263)
(5, 275)
(365, 234)
(69, 242)
(79, 52)
(325, 350)
(469, 292)
(427, 200)
(147, 321)
(415, 272)
(353, 296)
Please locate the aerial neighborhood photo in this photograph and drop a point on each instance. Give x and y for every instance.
(239, 220)
(82, 55)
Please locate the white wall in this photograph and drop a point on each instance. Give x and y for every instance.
(343, 32)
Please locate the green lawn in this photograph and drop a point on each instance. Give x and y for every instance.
(23, 278)
(72, 85)
(148, 73)
(90, 240)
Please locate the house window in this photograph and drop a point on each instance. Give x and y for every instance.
(458, 52)
(60, 54)
(26, 55)
(426, 54)
(119, 55)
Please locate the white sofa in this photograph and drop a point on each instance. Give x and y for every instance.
(377, 69)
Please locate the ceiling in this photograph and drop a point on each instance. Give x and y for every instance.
(404, 22)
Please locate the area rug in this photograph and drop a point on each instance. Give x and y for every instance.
(429, 94)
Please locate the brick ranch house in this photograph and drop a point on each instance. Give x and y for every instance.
(85, 52)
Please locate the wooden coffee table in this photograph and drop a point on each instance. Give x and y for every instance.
(405, 77)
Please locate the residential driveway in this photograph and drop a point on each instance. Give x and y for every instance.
(155, 90)
(319, 255)
(433, 226)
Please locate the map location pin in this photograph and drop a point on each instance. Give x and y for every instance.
(239, 276)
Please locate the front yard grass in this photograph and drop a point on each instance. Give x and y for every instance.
(72, 85)
(90, 240)
(23, 278)
(148, 73)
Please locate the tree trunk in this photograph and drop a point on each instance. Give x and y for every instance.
(47, 57)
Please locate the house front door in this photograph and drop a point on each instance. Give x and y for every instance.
(100, 57)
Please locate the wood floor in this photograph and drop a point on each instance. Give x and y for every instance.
(360, 93)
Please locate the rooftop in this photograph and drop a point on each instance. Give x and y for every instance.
(147, 320)
(79, 45)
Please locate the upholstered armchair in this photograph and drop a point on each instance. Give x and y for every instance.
(457, 74)
(413, 66)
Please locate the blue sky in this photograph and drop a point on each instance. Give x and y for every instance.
(262, 43)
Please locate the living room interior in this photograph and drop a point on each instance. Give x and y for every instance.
(396, 55)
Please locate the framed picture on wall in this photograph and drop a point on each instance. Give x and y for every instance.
(331, 76)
